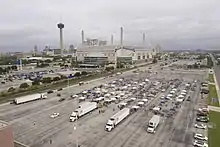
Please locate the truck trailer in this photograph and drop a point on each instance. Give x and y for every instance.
(153, 124)
(116, 119)
(83, 109)
(29, 98)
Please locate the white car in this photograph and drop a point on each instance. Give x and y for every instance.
(198, 143)
(200, 137)
(54, 115)
(200, 126)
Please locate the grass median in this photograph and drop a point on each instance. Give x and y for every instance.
(213, 97)
(214, 131)
(211, 78)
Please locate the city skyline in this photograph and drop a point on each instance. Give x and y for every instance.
(178, 24)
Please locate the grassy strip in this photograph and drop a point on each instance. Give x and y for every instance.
(211, 78)
(214, 133)
(7, 96)
(213, 94)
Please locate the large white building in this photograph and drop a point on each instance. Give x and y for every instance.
(109, 54)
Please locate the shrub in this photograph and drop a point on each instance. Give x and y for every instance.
(11, 89)
(24, 85)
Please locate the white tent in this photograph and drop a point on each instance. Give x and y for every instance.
(135, 107)
(133, 98)
(140, 103)
(145, 100)
(181, 96)
(169, 95)
(113, 99)
(82, 98)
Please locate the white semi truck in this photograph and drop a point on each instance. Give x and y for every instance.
(153, 124)
(83, 109)
(116, 119)
(29, 98)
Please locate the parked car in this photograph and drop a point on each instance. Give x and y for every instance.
(198, 143)
(62, 99)
(60, 89)
(200, 137)
(54, 115)
(202, 119)
(200, 126)
(50, 91)
(58, 94)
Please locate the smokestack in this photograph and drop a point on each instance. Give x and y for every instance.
(122, 32)
(61, 26)
(143, 39)
(112, 40)
(83, 39)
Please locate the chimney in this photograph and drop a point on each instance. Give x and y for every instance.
(112, 40)
(143, 39)
(121, 36)
(83, 39)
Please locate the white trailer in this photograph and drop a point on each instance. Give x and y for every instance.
(116, 119)
(29, 98)
(83, 109)
(153, 123)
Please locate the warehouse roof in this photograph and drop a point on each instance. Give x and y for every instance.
(109, 47)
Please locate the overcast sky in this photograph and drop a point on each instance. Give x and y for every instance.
(174, 24)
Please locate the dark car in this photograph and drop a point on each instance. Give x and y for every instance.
(58, 94)
(62, 99)
(60, 89)
(202, 119)
(202, 114)
(50, 91)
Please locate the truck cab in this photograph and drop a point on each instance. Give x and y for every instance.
(110, 125)
(151, 128)
(73, 116)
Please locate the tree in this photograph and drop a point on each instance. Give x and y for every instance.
(36, 83)
(109, 68)
(47, 80)
(24, 85)
(56, 78)
(11, 89)
(120, 65)
(63, 77)
(77, 74)
(14, 67)
(154, 60)
(47, 61)
(1, 70)
(84, 73)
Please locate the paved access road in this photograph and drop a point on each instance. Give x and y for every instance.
(33, 126)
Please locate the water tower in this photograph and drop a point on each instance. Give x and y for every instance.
(61, 26)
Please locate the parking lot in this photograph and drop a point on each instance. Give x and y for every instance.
(33, 125)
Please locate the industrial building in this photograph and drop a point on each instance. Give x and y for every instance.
(99, 55)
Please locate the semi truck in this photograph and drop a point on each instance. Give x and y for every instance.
(83, 109)
(153, 124)
(116, 119)
(29, 98)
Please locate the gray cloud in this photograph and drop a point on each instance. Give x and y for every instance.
(174, 24)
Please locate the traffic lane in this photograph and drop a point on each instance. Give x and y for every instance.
(84, 124)
(91, 122)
